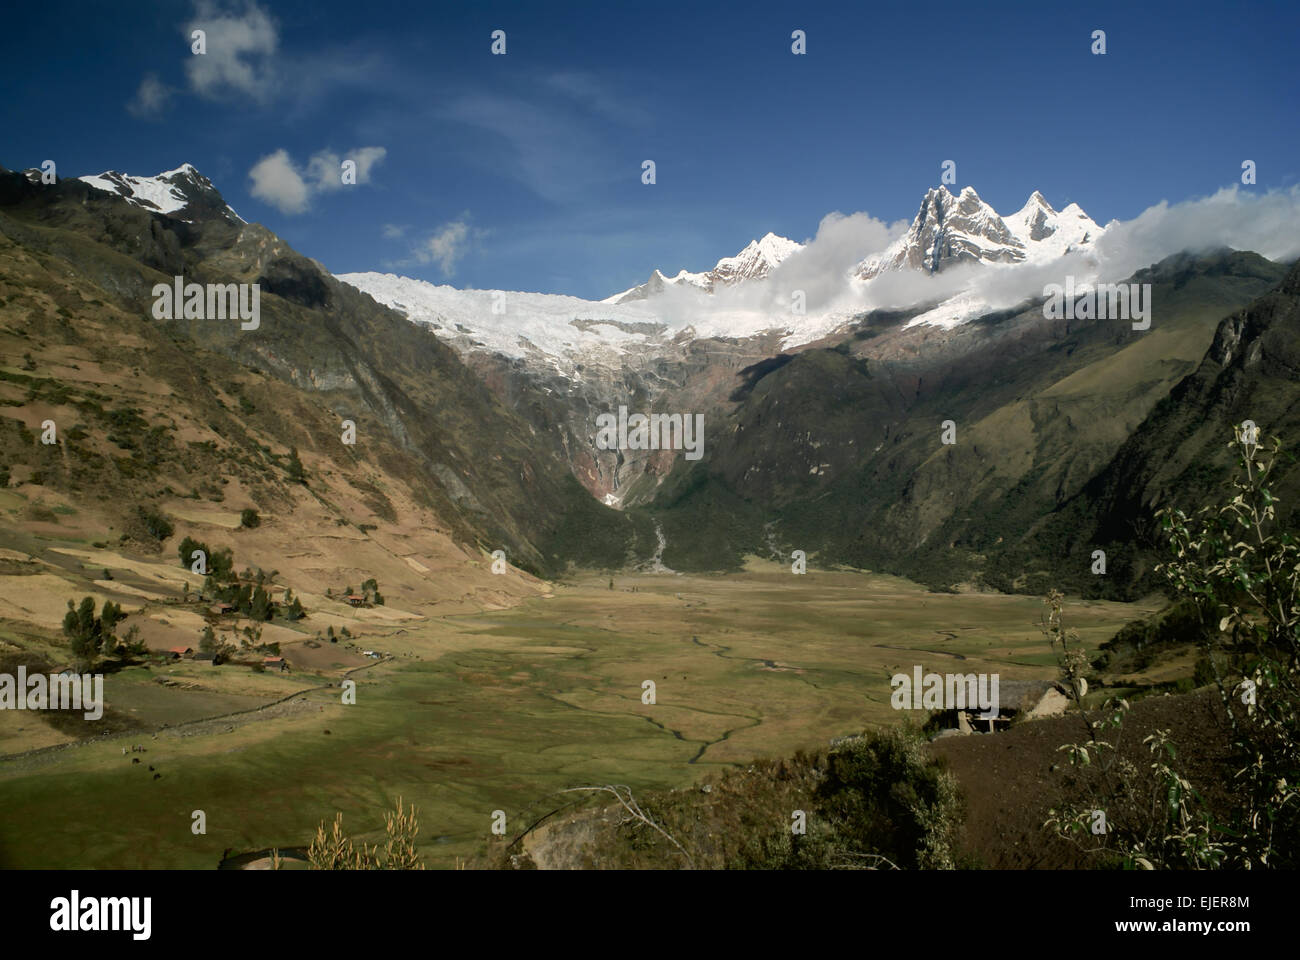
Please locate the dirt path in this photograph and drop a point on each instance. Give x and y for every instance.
(201, 725)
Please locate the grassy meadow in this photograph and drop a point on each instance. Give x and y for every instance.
(500, 710)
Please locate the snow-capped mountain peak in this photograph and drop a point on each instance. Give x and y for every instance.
(963, 229)
(756, 261)
(183, 193)
(948, 230)
(1047, 233)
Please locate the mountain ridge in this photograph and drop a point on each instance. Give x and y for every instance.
(756, 261)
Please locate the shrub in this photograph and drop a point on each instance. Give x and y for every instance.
(885, 798)
(248, 518)
(155, 524)
(1244, 575)
(1242, 580)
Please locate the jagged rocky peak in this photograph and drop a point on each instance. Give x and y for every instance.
(757, 260)
(1037, 216)
(951, 229)
(183, 193)
(948, 230)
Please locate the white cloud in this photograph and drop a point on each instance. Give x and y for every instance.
(820, 268)
(1264, 222)
(1240, 219)
(1232, 217)
(151, 98)
(325, 167)
(240, 49)
(393, 231)
(445, 246)
(278, 181)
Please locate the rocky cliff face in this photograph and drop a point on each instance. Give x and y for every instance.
(684, 376)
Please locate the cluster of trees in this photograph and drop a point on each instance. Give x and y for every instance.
(217, 565)
(253, 601)
(246, 592)
(219, 648)
(90, 636)
(153, 523)
(222, 650)
(873, 802)
(369, 590)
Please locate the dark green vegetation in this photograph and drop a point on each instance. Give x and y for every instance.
(1138, 644)
(88, 635)
(874, 801)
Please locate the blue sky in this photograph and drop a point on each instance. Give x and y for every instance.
(523, 171)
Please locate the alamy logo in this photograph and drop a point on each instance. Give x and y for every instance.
(1103, 301)
(71, 914)
(951, 691)
(658, 431)
(58, 691)
(213, 301)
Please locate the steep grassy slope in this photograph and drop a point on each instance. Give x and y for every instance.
(1179, 453)
(838, 451)
(210, 401)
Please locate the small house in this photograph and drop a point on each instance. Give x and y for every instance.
(175, 653)
(355, 599)
(221, 609)
(204, 657)
(276, 663)
(1018, 699)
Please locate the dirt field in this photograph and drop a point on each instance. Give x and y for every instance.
(1012, 779)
